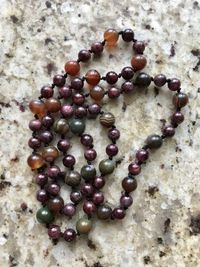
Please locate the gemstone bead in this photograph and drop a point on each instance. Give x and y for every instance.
(44, 215)
(47, 121)
(78, 99)
(97, 48)
(69, 161)
(53, 189)
(107, 119)
(168, 131)
(72, 178)
(127, 73)
(77, 83)
(67, 111)
(42, 196)
(65, 92)
(69, 235)
(114, 134)
(69, 210)
(84, 55)
(41, 179)
(72, 67)
(97, 93)
(77, 126)
(80, 112)
(127, 87)
(54, 231)
(35, 161)
(180, 100)
(34, 143)
(37, 107)
(111, 37)
(46, 91)
(111, 150)
(89, 207)
(111, 77)
(143, 80)
(99, 182)
(142, 155)
(90, 154)
(177, 118)
(59, 80)
(53, 171)
(53, 104)
(138, 62)
(83, 226)
(104, 212)
(106, 166)
(160, 80)
(63, 145)
(88, 172)
(56, 204)
(113, 92)
(139, 47)
(61, 126)
(98, 198)
(174, 84)
(92, 77)
(126, 201)
(129, 184)
(86, 140)
(154, 141)
(76, 196)
(134, 168)
(46, 137)
(128, 35)
(87, 190)
(93, 110)
(35, 125)
(50, 153)
(118, 213)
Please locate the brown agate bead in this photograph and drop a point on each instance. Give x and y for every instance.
(72, 67)
(56, 204)
(111, 37)
(180, 100)
(53, 105)
(50, 153)
(92, 77)
(107, 119)
(37, 107)
(35, 161)
(138, 62)
(97, 93)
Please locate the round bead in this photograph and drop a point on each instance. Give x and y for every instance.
(72, 178)
(67, 111)
(83, 226)
(53, 105)
(154, 141)
(126, 201)
(59, 80)
(111, 37)
(160, 80)
(37, 107)
(61, 126)
(44, 215)
(98, 198)
(77, 126)
(89, 207)
(76, 196)
(113, 92)
(142, 155)
(143, 80)
(72, 67)
(41, 179)
(46, 137)
(35, 161)
(87, 190)
(106, 166)
(56, 204)
(47, 121)
(80, 112)
(53, 189)
(99, 182)
(86, 140)
(104, 212)
(180, 100)
(63, 145)
(92, 77)
(138, 62)
(34, 143)
(174, 84)
(97, 48)
(129, 184)
(114, 134)
(111, 77)
(97, 93)
(118, 213)
(46, 91)
(90, 154)
(94, 110)
(127, 73)
(127, 87)
(107, 119)
(42, 196)
(50, 153)
(134, 168)
(139, 47)
(78, 99)
(53, 171)
(128, 35)
(88, 172)
(168, 131)
(65, 91)
(69, 235)
(69, 161)
(77, 83)
(84, 55)
(111, 150)
(54, 231)
(177, 118)
(69, 210)
(35, 125)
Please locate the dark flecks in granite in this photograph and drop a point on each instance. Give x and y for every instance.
(162, 166)
(15, 159)
(119, 160)
(91, 245)
(4, 184)
(167, 225)
(48, 4)
(12, 261)
(160, 240)
(21, 105)
(162, 254)
(156, 91)
(14, 19)
(196, 5)
(48, 41)
(124, 106)
(196, 53)
(23, 206)
(51, 68)
(195, 225)
(152, 190)
(6, 105)
(97, 264)
(159, 61)
(172, 50)
(43, 19)
(147, 259)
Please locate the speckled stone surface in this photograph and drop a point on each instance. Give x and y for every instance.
(162, 228)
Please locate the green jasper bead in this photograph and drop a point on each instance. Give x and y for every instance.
(44, 215)
(83, 226)
(77, 126)
(106, 166)
(88, 172)
(61, 126)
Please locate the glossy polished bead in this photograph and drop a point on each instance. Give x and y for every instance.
(47, 121)
(99, 182)
(41, 179)
(76, 197)
(44, 215)
(139, 47)
(98, 198)
(77, 83)
(83, 226)
(54, 231)
(177, 117)
(63, 145)
(118, 213)
(97, 93)
(87, 190)
(168, 131)
(174, 84)
(69, 161)
(143, 80)
(53, 189)
(34, 142)
(127, 87)
(127, 73)
(56, 204)
(127, 35)
(84, 55)
(69, 235)
(111, 150)
(111, 77)
(90, 154)
(80, 112)
(180, 100)
(59, 80)
(72, 67)
(61, 126)
(107, 119)
(89, 207)
(46, 137)
(160, 80)
(129, 184)
(35, 161)
(78, 99)
(53, 105)
(154, 141)
(77, 126)
(69, 210)
(37, 107)
(113, 92)
(134, 168)
(53, 171)
(35, 125)
(97, 48)
(50, 153)
(88, 172)
(86, 140)
(106, 166)
(72, 178)
(111, 37)
(126, 201)
(67, 111)
(104, 212)
(42, 196)
(46, 91)
(142, 155)
(114, 134)
(138, 62)
(65, 92)
(92, 77)
(93, 110)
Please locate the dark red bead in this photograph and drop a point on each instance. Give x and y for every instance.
(46, 137)
(118, 213)
(90, 154)
(35, 125)
(143, 80)
(134, 168)
(78, 99)
(47, 121)
(46, 91)
(69, 161)
(54, 231)
(97, 48)
(111, 150)
(84, 55)
(168, 131)
(42, 195)
(113, 92)
(180, 100)
(114, 134)
(160, 80)
(53, 171)
(139, 47)
(94, 109)
(98, 198)
(77, 83)
(67, 111)
(63, 145)
(127, 73)
(111, 77)
(89, 207)
(34, 142)
(142, 155)
(177, 118)
(69, 235)
(80, 112)
(126, 201)
(87, 190)
(41, 179)
(53, 189)
(174, 84)
(127, 87)
(99, 182)
(65, 91)
(69, 210)
(76, 196)
(129, 184)
(86, 140)
(128, 35)
(59, 80)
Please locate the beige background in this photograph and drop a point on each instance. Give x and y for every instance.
(162, 227)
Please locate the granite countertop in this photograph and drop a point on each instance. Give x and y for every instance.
(162, 227)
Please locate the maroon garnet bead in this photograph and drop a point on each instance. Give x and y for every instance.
(67, 111)
(86, 140)
(126, 201)
(113, 92)
(47, 121)
(139, 47)
(78, 99)
(69, 210)
(53, 171)
(128, 35)
(142, 155)
(168, 131)
(97, 48)
(94, 110)
(134, 168)
(63, 145)
(127, 87)
(90, 154)
(99, 182)
(129, 184)
(34, 143)
(98, 198)
(65, 92)
(114, 134)
(160, 80)
(180, 100)
(53, 189)
(111, 150)
(111, 77)
(127, 73)
(89, 207)
(69, 235)
(41, 179)
(87, 190)
(69, 161)
(174, 84)
(76, 196)
(54, 231)
(35, 125)
(118, 213)
(46, 137)
(84, 55)
(42, 195)
(80, 112)
(46, 91)
(77, 83)
(59, 80)
(177, 118)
